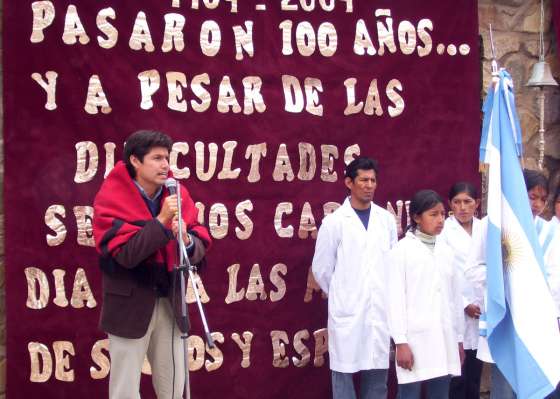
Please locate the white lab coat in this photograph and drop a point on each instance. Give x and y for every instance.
(349, 266)
(475, 273)
(550, 237)
(426, 308)
(461, 242)
(546, 230)
(542, 226)
(552, 262)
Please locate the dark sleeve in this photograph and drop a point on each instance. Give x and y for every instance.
(143, 244)
(197, 252)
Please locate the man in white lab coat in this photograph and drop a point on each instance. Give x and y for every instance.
(349, 266)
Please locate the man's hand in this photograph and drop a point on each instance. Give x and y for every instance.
(461, 353)
(168, 210)
(175, 229)
(473, 311)
(405, 358)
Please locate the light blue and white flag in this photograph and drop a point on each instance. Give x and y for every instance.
(521, 324)
(486, 138)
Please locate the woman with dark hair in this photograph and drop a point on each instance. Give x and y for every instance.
(425, 304)
(457, 232)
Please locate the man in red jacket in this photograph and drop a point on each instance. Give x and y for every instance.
(134, 227)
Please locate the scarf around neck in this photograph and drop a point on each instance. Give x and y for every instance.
(120, 212)
(426, 239)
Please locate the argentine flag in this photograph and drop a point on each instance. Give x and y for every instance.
(521, 324)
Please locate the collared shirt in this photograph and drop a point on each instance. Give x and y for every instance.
(153, 203)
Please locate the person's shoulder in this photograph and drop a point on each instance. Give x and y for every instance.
(449, 222)
(448, 225)
(401, 249)
(382, 213)
(380, 210)
(452, 230)
(184, 191)
(483, 223)
(405, 243)
(332, 218)
(117, 181)
(443, 245)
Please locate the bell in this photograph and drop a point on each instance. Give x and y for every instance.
(541, 76)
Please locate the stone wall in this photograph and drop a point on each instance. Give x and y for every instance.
(516, 25)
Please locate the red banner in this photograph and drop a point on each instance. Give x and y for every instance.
(556, 18)
(265, 102)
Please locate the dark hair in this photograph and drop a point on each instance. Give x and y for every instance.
(463, 187)
(140, 143)
(422, 201)
(534, 179)
(556, 195)
(362, 163)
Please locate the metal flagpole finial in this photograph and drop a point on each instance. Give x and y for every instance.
(495, 70)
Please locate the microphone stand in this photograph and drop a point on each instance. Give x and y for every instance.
(184, 267)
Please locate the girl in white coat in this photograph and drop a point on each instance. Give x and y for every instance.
(425, 304)
(549, 238)
(458, 233)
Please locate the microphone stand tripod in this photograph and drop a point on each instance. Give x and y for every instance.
(183, 268)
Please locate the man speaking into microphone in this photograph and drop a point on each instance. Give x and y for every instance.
(135, 227)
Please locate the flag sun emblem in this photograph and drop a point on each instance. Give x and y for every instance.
(512, 250)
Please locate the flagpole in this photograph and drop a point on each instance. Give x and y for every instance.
(495, 71)
(483, 167)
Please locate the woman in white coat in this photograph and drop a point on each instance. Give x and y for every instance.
(457, 232)
(425, 304)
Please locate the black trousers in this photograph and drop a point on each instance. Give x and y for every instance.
(555, 394)
(467, 386)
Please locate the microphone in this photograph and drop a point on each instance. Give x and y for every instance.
(171, 185)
